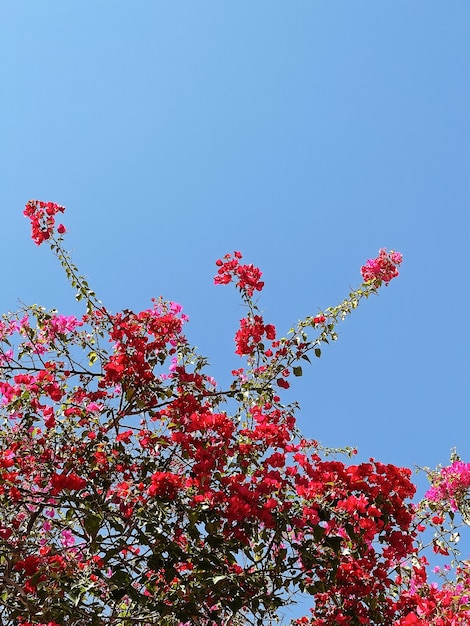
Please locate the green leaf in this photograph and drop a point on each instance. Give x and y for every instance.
(318, 352)
(170, 573)
(236, 604)
(334, 543)
(217, 579)
(118, 594)
(297, 370)
(130, 392)
(91, 524)
(116, 525)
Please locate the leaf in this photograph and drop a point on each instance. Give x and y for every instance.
(109, 554)
(91, 524)
(118, 594)
(217, 579)
(236, 604)
(130, 392)
(120, 577)
(116, 525)
(297, 370)
(318, 352)
(170, 573)
(155, 561)
(334, 543)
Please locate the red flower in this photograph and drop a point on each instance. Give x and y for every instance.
(5, 533)
(41, 215)
(383, 268)
(270, 331)
(251, 333)
(247, 276)
(165, 485)
(249, 279)
(71, 481)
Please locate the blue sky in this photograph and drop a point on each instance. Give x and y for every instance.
(305, 134)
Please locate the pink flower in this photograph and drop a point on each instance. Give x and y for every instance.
(451, 485)
(67, 538)
(383, 268)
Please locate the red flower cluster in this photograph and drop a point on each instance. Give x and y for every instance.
(129, 472)
(251, 332)
(42, 216)
(164, 485)
(383, 268)
(424, 603)
(361, 508)
(142, 341)
(247, 277)
(70, 482)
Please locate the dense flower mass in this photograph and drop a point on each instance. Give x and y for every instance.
(136, 491)
(383, 268)
(251, 333)
(451, 485)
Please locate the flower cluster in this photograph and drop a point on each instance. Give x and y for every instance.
(134, 490)
(450, 485)
(425, 604)
(42, 217)
(383, 268)
(247, 277)
(141, 342)
(250, 334)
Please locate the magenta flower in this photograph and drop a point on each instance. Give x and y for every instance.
(383, 268)
(67, 538)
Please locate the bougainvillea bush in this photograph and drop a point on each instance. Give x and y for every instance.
(134, 490)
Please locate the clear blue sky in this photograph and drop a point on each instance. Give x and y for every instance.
(305, 134)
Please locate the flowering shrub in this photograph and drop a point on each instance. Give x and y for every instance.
(133, 490)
